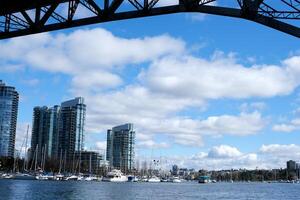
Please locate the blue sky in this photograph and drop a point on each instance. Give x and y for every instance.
(203, 91)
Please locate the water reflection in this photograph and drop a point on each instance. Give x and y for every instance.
(54, 190)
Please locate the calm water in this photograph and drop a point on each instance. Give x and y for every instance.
(50, 190)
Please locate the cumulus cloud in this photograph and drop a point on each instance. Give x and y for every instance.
(220, 77)
(229, 157)
(291, 126)
(281, 150)
(224, 151)
(85, 53)
(218, 157)
(278, 154)
(171, 80)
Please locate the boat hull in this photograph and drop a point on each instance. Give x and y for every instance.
(24, 177)
(115, 180)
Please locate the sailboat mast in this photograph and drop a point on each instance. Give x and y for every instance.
(65, 160)
(90, 164)
(36, 155)
(42, 158)
(60, 161)
(45, 154)
(79, 167)
(25, 153)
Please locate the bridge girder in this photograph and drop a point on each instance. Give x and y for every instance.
(19, 17)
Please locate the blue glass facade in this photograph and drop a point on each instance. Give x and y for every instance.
(44, 138)
(120, 147)
(9, 99)
(71, 127)
(59, 130)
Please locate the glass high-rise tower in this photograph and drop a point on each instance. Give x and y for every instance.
(44, 139)
(58, 132)
(120, 147)
(71, 127)
(9, 99)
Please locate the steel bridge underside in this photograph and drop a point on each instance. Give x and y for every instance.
(25, 17)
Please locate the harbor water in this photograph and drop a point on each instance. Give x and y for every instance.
(54, 190)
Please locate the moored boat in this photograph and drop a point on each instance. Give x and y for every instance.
(115, 176)
(132, 178)
(71, 178)
(24, 176)
(154, 179)
(176, 180)
(204, 179)
(91, 178)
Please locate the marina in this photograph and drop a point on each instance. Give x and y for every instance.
(47, 190)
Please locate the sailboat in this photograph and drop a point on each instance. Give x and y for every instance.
(90, 177)
(154, 178)
(59, 176)
(23, 176)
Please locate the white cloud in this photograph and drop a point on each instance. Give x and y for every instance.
(151, 144)
(220, 77)
(11, 68)
(256, 106)
(244, 124)
(291, 126)
(224, 151)
(101, 145)
(85, 50)
(229, 157)
(218, 157)
(281, 150)
(171, 81)
(95, 81)
(277, 154)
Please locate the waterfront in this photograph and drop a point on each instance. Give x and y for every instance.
(35, 190)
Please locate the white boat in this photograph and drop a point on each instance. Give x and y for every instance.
(59, 177)
(176, 180)
(7, 176)
(154, 179)
(91, 178)
(115, 176)
(20, 176)
(41, 177)
(72, 178)
(144, 179)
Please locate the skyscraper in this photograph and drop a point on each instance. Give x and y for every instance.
(9, 99)
(44, 139)
(71, 127)
(120, 147)
(58, 132)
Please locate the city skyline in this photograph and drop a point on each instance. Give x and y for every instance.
(197, 96)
